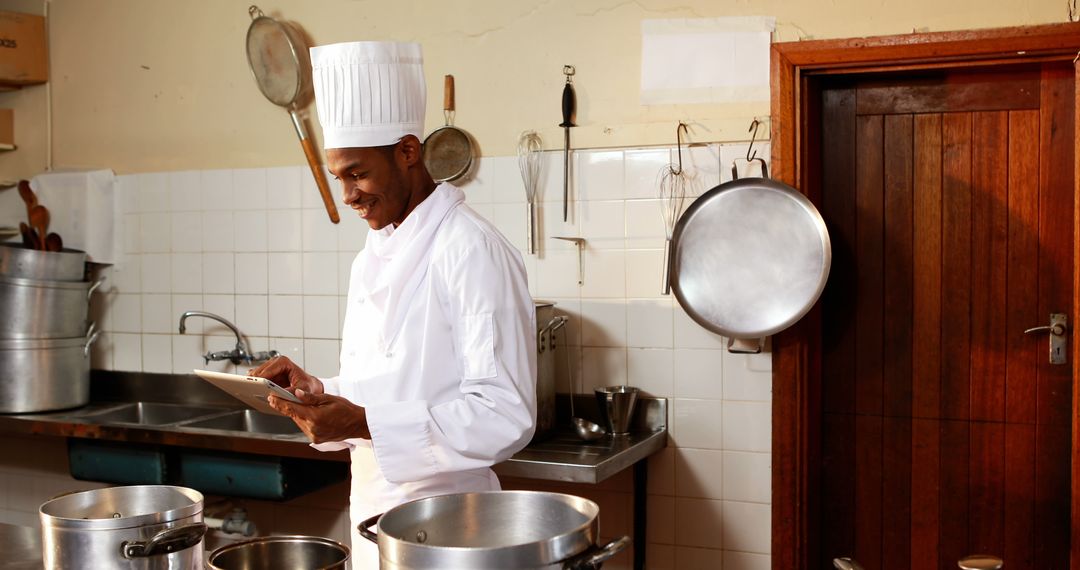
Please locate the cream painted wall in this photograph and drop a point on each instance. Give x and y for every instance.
(152, 85)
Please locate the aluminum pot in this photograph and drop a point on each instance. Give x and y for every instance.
(136, 527)
(45, 374)
(21, 262)
(44, 309)
(308, 552)
(497, 530)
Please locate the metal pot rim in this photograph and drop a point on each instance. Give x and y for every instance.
(281, 538)
(148, 519)
(581, 529)
(42, 343)
(42, 283)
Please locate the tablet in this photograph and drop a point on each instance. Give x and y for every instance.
(250, 390)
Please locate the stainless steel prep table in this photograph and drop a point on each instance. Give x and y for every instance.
(559, 457)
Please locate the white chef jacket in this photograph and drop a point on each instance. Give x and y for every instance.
(438, 347)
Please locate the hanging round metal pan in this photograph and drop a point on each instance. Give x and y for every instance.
(749, 257)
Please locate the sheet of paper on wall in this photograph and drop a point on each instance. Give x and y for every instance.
(705, 60)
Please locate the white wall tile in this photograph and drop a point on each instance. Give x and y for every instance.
(662, 472)
(345, 261)
(703, 168)
(126, 275)
(156, 269)
(510, 220)
(698, 473)
(186, 231)
(319, 233)
(157, 353)
(284, 230)
(250, 231)
(127, 351)
(697, 423)
(252, 314)
(157, 313)
(222, 305)
(550, 188)
(219, 270)
(745, 475)
(649, 323)
(746, 561)
(603, 323)
(642, 169)
(698, 373)
(605, 274)
(699, 522)
(286, 313)
(645, 227)
(602, 367)
(603, 224)
(352, 232)
(127, 193)
(689, 334)
(131, 233)
(599, 175)
(285, 274)
(558, 273)
(187, 272)
(748, 376)
(249, 186)
(319, 273)
(321, 317)
(125, 313)
(508, 184)
(283, 187)
(187, 353)
(182, 304)
(293, 348)
(688, 558)
(650, 369)
(748, 426)
(156, 232)
(549, 218)
(216, 188)
(644, 274)
(252, 270)
(321, 357)
(480, 185)
(309, 191)
(153, 192)
(217, 231)
(747, 527)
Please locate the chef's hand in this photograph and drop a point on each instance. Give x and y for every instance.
(285, 373)
(323, 417)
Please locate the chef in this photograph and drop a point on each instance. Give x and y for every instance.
(438, 369)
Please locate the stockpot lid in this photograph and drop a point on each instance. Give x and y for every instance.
(750, 257)
(121, 507)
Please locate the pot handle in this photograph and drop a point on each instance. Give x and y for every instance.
(749, 161)
(91, 336)
(94, 287)
(593, 558)
(165, 542)
(365, 528)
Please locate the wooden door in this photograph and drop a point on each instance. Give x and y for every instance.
(944, 429)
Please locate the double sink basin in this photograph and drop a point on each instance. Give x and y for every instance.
(184, 417)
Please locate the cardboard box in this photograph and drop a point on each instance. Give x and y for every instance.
(7, 129)
(23, 58)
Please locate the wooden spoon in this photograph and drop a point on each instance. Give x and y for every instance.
(53, 242)
(39, 220)
(29, 240)
(28, 196)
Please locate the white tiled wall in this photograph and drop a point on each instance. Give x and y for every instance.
(255, 246)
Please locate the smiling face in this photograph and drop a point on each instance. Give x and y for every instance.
(375, 182)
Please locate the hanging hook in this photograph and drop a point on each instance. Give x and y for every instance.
(254, 12)
(679, 130)
(753, 138)
(569, 71)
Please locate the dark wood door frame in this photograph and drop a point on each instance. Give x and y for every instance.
(797, 351)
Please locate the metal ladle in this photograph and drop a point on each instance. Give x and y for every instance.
(586, 430)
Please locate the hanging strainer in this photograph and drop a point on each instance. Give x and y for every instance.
(448, 150)
(273, 52)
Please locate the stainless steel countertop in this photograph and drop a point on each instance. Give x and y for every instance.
(558, 457)
(20, 548)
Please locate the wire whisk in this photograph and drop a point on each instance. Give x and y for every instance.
(530, 149)
(672, 182)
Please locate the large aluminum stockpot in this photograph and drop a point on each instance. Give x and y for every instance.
(136, 527)
(497, 530)
(21, 262)
(40, 375)
(307, 552)
(30, 308)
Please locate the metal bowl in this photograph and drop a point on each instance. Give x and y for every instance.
(308, 552)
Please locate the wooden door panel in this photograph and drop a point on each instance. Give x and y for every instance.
(945, 429)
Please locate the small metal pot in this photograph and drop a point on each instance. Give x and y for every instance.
(504, 530)
(46, 374)
(21, 262)
(143, 526)
(308, 552)
(44, 309)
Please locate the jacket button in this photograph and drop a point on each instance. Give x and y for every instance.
(389, 354)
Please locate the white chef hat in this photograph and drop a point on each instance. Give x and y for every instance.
(369, 93)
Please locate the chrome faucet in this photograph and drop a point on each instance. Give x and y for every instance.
(237, 355)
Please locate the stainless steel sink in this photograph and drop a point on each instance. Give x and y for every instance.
(148, 413)
(248, 421)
